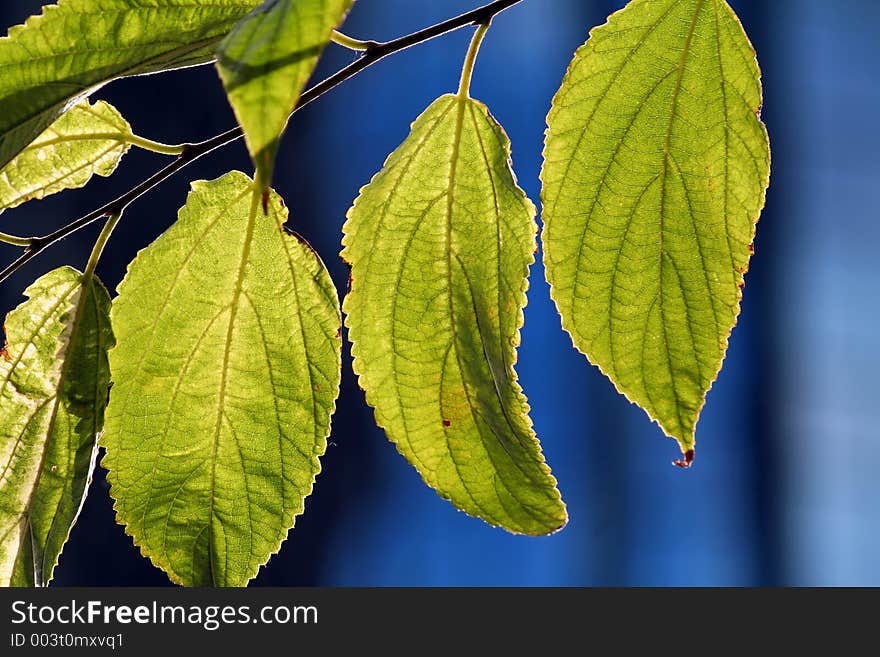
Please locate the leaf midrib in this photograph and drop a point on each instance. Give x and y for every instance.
(676, 92)
(90, 136)
(224, 373)
(149, 342)
(727, 131)
(460, 101)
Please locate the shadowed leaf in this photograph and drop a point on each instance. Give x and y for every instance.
(54, 379)
(266, 61)
(76, 46)
(440, 244)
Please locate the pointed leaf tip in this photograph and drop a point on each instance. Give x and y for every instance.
(54, 378)
(687, 461)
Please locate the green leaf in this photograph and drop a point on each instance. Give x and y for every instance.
(54, 379)
(265, 63)
(227, 372)
(656, 169)
(76, 46)
(88, 140)
(440, 244)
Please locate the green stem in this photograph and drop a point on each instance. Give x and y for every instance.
(134, 140)
(351, 43)
(15, 241)
(155, 146)
(467, 71)
(98, 249)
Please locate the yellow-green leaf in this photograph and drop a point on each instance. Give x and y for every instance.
(266, 61)
(87, 140)
(76, 46)
(656, 168)
(226, 373)
(440, 244)
(54, 379)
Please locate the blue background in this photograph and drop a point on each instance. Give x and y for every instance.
(785, 489)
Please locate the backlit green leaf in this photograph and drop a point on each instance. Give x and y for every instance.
(440, 244)
(227, 372)
(54, 380)
(266, 61)
(88, 140)
(656, 168)
(76, 46)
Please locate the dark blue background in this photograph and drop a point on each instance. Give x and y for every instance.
(785, 489)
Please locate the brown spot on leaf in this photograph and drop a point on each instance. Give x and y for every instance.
(318, 387)
(447, 423)
(5, 354)
(752, 248)
(687, 462)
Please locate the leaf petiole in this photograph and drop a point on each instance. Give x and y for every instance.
(15, 241)
(351, 43)
(467, 71)
(155, 146)
(98, 249)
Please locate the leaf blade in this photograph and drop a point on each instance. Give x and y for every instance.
(434, 311)
(87, 140)
(224, 289)
(265, 63)
(73, 48)
(650, 201)
(54, 379)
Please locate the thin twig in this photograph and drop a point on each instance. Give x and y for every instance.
(193, 152)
